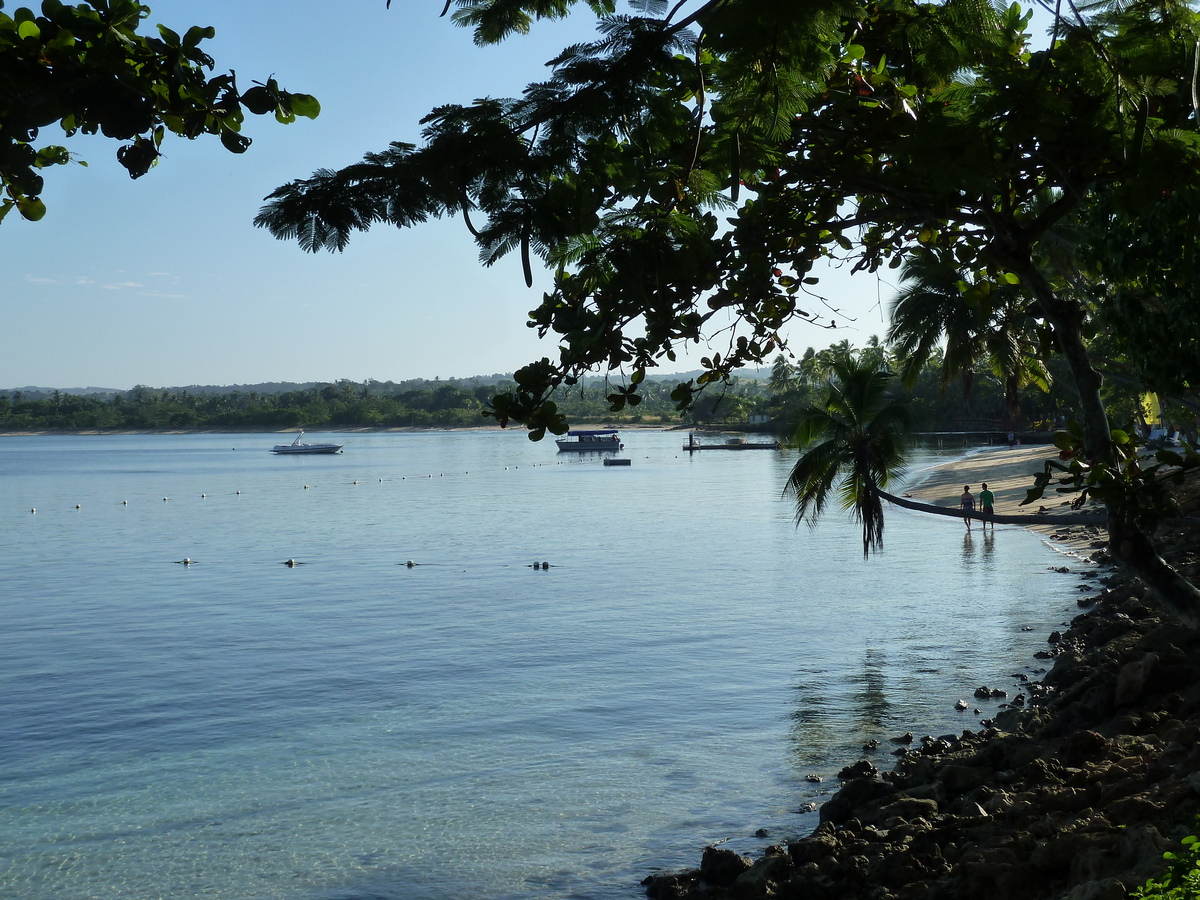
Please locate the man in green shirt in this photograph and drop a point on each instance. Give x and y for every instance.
(987, 500)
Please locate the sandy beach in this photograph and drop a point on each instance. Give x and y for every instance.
(1009, 474)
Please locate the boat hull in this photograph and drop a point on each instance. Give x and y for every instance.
(589, 446)
(309, 449)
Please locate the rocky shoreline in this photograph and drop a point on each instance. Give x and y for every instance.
(1072, 791)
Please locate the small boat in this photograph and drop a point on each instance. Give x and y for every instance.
(297, 447)
(601, 441)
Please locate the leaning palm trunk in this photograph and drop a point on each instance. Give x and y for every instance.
(1073, 518)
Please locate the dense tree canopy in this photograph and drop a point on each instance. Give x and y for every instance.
(875, 132)
(86, 68)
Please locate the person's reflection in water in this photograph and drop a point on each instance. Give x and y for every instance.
(968, 550)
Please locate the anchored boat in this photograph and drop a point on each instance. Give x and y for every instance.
(297, 447)
(600, 441)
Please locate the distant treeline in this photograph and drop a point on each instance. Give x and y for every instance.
(423, 404)
(767, 403)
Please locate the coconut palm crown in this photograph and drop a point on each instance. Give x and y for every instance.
(853, 446)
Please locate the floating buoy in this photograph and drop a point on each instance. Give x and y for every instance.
(185, 561)
(410, 564)
(545, 565)
(202, 496)
(354, 482)
(306, 487)
(290, 563)
(237, 492)
(33, 510)
(77, 506)
(165, 499)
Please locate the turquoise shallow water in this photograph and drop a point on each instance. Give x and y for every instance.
(352, 728)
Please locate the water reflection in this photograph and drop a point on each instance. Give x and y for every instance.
(818, 729)
(982, 550)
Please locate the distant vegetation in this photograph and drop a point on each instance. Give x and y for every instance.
(770, 402)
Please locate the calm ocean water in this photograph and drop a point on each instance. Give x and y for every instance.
(471, 727)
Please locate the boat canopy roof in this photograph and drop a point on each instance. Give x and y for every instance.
(592, 433)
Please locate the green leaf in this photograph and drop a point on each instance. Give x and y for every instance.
(234, 142)
(28, 30)
(305, 105)
(258, 100)
(196, 34)
(31, 208)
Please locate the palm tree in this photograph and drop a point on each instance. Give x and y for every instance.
(986, 326)
(783, 375)
(855, 446)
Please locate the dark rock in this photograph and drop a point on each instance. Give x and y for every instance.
(1082, 746)
(960, 779)
(1132, 679)
(670, 887)
(722, 867)
(861, 769)
(762, 877)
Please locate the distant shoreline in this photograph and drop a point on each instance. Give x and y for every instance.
(349, 429)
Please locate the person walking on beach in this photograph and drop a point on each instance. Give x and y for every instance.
(967, 504)
(987, 500)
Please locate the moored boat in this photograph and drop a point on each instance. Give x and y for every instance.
(593, 441)
(297, 447)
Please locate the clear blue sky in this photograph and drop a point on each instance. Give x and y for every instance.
(164, 281)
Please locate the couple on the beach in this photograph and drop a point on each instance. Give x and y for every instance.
(987, 501)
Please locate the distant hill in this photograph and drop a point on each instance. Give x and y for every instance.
(36, 393)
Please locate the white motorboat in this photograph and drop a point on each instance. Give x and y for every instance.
(601, 441)
(297, 447)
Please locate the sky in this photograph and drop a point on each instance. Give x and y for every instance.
(164, 281)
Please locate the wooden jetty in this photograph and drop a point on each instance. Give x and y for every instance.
(734, 444)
